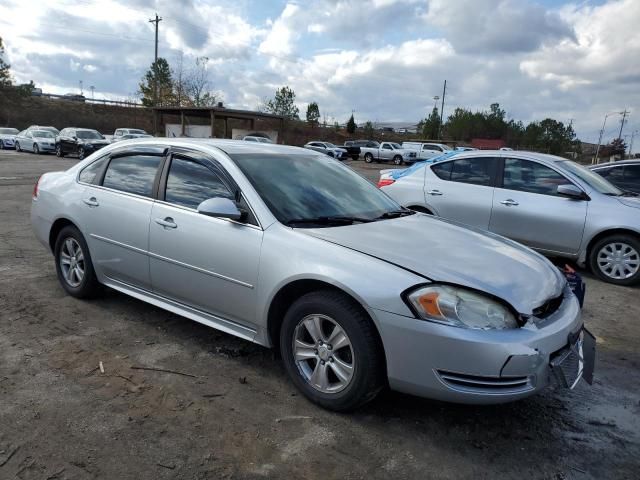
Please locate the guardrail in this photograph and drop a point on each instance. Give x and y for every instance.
(83, 99)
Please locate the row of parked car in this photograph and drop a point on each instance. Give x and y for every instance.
(68, 141)
(373, 151)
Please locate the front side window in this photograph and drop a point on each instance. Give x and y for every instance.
(477, 171)
(386, 146)
(132, 174)
(632, 173)
(89, 174)
(305, 187)
(190, 183)
(533, 177)
(612, 174)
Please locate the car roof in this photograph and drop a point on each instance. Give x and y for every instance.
(541, 157)
(615, 164)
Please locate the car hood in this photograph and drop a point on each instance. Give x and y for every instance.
(44, 139)
(443, 251)
(94, 141)
(338, 149)
(629, 201)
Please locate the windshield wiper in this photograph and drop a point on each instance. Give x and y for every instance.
(395, 214)
(328, 220)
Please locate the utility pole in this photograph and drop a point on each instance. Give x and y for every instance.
(624, 116)
(92, 88)
(157, 20)
(80, 83)
(595, 159)
(633, 134)
(444, 92)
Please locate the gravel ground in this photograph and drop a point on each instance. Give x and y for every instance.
(230, 411)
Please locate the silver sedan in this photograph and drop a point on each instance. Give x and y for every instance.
(291, 249)
(36, 141)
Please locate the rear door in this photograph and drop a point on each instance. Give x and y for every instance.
(208, 263)
(462, 190)
(116, 210)
(527, 208)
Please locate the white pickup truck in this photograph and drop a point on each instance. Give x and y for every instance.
(426, 151)
(387, 152)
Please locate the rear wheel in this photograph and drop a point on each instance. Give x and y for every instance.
(331, 351)
(616, 259)
(73, 264)
(368, 157)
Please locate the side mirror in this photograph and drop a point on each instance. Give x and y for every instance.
(571, 191)
(220, 207)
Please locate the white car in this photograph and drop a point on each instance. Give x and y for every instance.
(121, 132)
(328, 148)
(8, 137)
(255, 138)
(426, 151)
(36, 141)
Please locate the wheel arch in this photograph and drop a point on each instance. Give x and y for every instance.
(56, 228)
(605, 233)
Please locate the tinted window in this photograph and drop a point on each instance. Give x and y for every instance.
(133, 174)
(632, 172)
(612, 174)
(88, 134)
(533, 177)
(190, 183)
(431, 147)
(386, 146)
(442, 170)
(90, 172)
(478, 171)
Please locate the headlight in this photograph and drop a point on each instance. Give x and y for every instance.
(459, 307)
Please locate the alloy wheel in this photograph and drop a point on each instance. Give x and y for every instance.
(323, 353)
(81, 153)
(36, 149)
(72, 262)
(18, 147)
(618, 260)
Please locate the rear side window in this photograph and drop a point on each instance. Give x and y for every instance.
(442, 170)
(612, 174)
(632, 172)
(190, 183)
(477, 171)
(90, 173)
(533, 177)
(134, 174)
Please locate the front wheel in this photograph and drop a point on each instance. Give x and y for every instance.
(368, 157)
(331, 351)
(18, 149)
(59, 152)
(73, 264)
(616, 259)
(81, 153)
(397, 160)
(36, 149)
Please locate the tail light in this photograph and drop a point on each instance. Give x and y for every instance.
(385, 182)
(35, 188)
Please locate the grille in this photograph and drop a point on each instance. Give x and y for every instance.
(549, 307)
(478, 384)
(567, 366)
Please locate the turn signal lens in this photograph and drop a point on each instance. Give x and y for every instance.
(384, 182)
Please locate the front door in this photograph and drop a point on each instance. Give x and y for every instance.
(116, 214)
(462, 190)
(210, 264)
(528, 209)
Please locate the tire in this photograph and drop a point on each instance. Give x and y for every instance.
(1, 145)
(331, 154)
(397, 160)
(368, 157)
(81, 153)
(624, 251)
(59, 152)
(18, 147)
(66, 248)
(36, 149)
(363, 352)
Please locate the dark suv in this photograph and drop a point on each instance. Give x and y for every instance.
(80, 141)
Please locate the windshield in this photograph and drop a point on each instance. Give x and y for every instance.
(396, 146)
(446, 147)
(329, 145)
(299, 187)
(42, 134)
(8, 131)
(592, 179)
(88, 134)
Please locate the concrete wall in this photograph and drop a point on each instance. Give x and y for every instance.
(20, 112)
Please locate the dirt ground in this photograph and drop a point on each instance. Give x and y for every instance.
(232, 413)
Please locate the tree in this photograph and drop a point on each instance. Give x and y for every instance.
(351, 125)
(158, 76)
(617, 146)
(368, 130)
(198, 86)
(283, 104)
(431, 125)
(5, 74)
(26, 89)
(313, 114)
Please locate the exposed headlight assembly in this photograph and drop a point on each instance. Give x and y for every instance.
(460, 307)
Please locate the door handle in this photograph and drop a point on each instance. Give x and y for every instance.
(434, 192)
(167, 222)
(92, 202)
(509, 202)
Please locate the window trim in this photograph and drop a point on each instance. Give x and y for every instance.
(500, 177)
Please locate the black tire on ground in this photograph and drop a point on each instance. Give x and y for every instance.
(630, 240)
(59, 152)
(331, 154)
(89, 286)
(81, 153)
(18, 147)
(36, 149)
(368, 355)
(368, 157)
(1, 145)
(397, 160)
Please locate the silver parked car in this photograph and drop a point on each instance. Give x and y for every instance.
(623, 174)
(8, 137)
(289, 248)
(36, 141)
(548, 203)
(328, 149)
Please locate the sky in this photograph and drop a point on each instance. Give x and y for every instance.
(383, 59)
